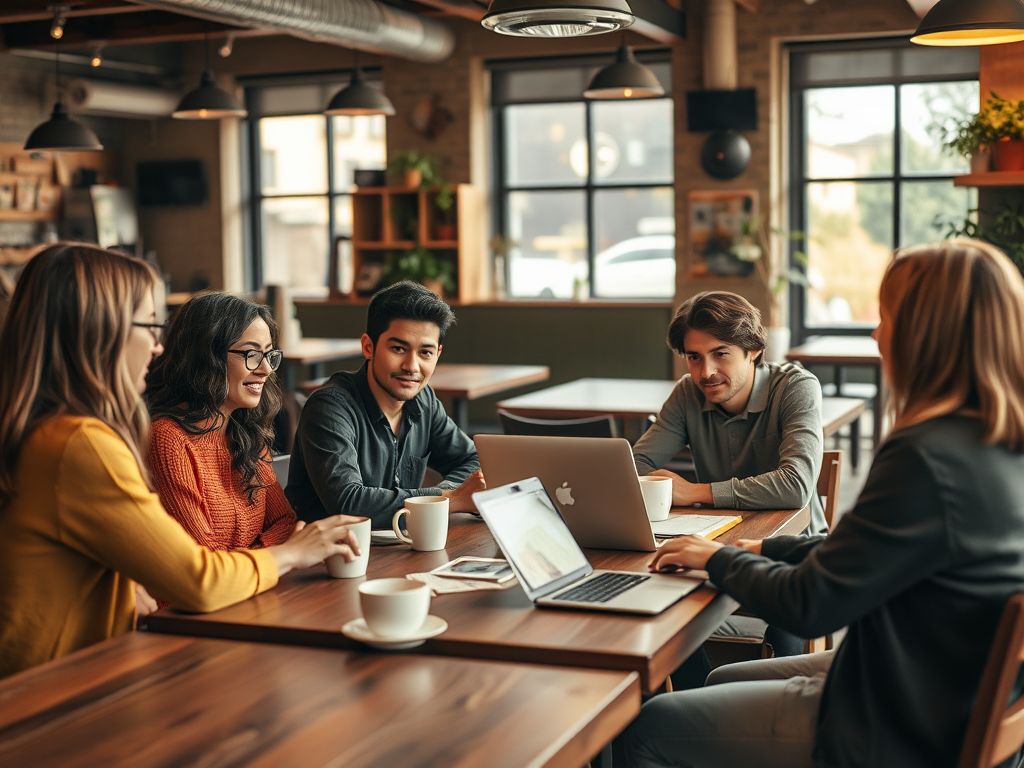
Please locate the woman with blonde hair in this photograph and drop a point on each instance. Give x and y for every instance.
(79, 522)
(919, 570)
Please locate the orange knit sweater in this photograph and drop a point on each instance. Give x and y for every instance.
(202, 491)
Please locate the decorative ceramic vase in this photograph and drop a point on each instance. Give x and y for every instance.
(1008, 155)
(778, 345)
(413, 178)
(981, 161)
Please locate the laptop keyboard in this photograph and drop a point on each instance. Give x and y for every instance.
(602, 588)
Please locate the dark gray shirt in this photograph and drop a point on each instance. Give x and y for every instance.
(920, 570)
(767, 457)
(347, 460)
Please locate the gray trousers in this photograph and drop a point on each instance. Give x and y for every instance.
(761, 713)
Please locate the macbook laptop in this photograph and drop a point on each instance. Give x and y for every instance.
(552, 568)
(592, 480)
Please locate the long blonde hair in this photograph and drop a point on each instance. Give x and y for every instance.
(957, 314)
(62, 348)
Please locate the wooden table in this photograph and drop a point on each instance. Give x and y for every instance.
(836, 413)
(461, 382)
(314, 353)
(145, 700)
(309, 608)
(844, 352)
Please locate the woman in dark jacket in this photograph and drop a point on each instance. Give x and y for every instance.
(919, 570)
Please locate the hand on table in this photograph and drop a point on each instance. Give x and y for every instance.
(313, 543)
(684, 552)
(685, 493)
(461, 499)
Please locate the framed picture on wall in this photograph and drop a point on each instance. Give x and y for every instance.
(717, 222)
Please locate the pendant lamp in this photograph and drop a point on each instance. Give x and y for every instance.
(60, 131)
(562, 18)
(208, 102)
(971, 22)
(359, 98)
(625, 79)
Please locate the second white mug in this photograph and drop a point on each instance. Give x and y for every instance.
(336, 565)
(426, 521)
(657, 492)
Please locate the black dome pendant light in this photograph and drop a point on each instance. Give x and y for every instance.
(360, 98)
(625, 79)
(971, 22)
(60, 131)
(562, 18)
(208, 102)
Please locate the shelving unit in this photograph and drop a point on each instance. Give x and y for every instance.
(387, 221)
(990, 179)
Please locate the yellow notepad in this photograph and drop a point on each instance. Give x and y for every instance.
(708, 526)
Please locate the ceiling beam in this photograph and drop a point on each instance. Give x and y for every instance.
(658, 20)
(122, 29)
(16, 11)
(754, 6)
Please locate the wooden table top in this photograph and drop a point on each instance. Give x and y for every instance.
(309, 608)
(620, 398)
(837, 412)
(837, 350)
(309, 351)
(145, 700)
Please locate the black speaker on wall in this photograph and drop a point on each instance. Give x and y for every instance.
(722, 110)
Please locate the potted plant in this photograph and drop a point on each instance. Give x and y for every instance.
(444, 201)
(763, 246)
(1002, 227)
(422, 266)
(998, 129)
(414, 169)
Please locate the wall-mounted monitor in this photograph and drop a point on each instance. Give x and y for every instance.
(172, 182)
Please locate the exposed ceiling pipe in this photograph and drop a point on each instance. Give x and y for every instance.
(364, 24)
(720, 59)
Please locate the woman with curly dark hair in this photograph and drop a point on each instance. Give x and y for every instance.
(213, 396)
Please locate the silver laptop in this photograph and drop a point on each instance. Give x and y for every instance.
(593, 481)
(552, 568)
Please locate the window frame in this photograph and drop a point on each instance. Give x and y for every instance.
(799, 179)
(253, 179)
(502, 189)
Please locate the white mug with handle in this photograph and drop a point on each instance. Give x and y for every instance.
(426, 521)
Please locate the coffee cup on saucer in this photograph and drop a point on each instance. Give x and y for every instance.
(426, 521)
(394, 608)
(657, 493)
(336, 565)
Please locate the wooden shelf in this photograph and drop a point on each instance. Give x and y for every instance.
(378, 245)
(453, 244)
(10, 214)
(990, 179)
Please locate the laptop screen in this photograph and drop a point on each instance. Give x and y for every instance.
(533, 536)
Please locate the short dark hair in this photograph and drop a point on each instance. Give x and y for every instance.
(407, 301)
(725, 316)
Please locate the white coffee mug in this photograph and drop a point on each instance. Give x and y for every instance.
(657, 491)
(394, 607)
(426, 520)
(336, 565)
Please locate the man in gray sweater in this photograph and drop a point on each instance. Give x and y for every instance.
(754, 428)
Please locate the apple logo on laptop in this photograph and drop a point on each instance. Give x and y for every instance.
(564, 495)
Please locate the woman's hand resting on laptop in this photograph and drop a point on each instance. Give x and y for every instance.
(684, 552)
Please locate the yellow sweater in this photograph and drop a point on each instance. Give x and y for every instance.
(81, 526)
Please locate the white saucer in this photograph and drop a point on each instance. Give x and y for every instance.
(357, 630)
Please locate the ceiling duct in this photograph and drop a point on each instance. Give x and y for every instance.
(98, 97)
(367, 25)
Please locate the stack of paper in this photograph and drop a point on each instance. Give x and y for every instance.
(708, 526)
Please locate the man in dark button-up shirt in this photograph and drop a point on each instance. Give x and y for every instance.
(365, 438)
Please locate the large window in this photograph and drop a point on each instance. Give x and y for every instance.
(869, 170)
(301, 176)
(584, 188)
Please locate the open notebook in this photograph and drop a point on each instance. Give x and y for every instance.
(708, 526)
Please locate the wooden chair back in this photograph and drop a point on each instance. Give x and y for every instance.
(995, 731)
(828, 483)
(593, 426)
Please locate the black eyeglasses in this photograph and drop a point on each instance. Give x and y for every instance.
(157, 329)
(254, 358)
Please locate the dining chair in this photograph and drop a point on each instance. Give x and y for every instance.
(995, 731)
(592, 426)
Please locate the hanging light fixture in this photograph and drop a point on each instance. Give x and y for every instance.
(563, 18)
(60, 131)
(60, 18)
(971, 22)
(208, 102)
(97, 55)
(228, 47)
(359, 98)
(625, 79)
